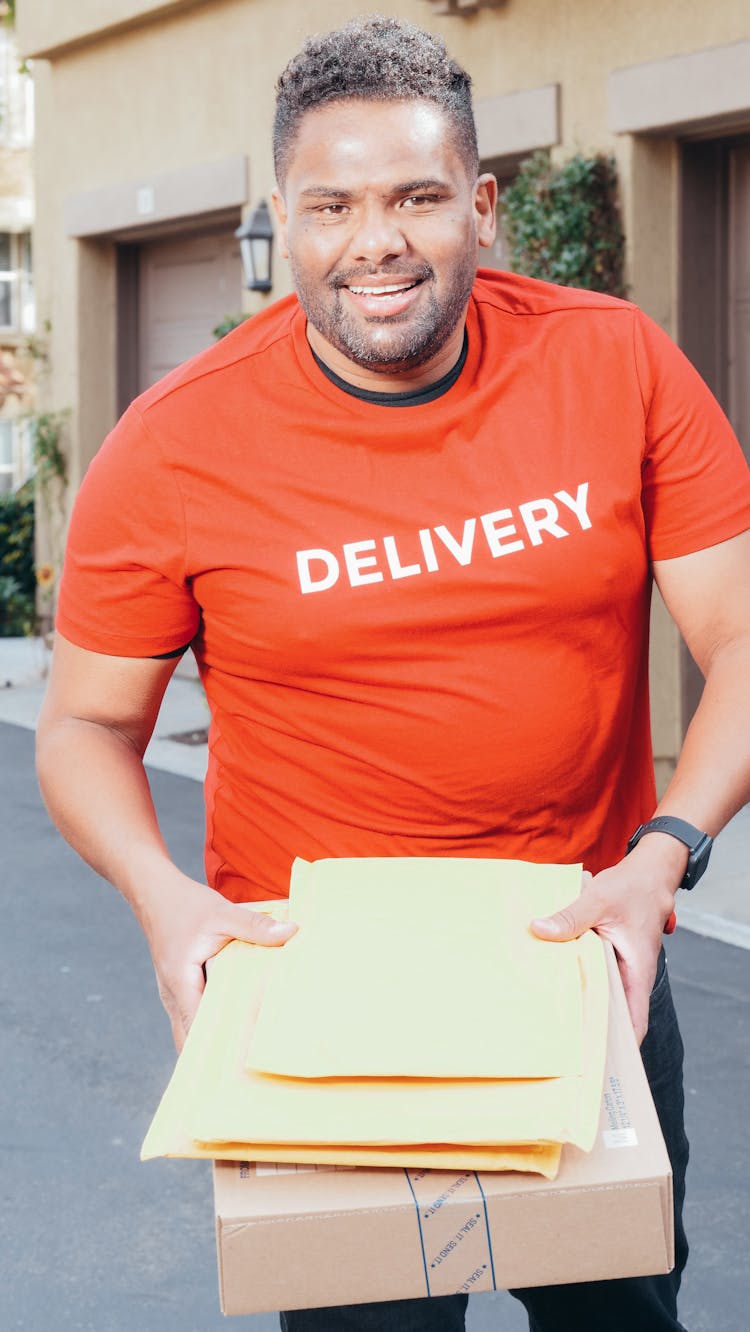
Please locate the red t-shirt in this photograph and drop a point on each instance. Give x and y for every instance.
(422, 630)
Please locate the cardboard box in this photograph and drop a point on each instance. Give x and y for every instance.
(294, 1237)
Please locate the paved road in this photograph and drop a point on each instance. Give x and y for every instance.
(93, 1241)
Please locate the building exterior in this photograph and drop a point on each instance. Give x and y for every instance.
(153, 142)
(17, 315)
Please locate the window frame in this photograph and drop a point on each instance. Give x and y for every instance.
(20, 280)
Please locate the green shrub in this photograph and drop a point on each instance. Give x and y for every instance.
(228, 323)
(17, 577)
(563, 222)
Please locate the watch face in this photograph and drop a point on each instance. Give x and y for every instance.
(698, 861)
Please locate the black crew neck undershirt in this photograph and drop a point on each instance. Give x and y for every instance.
(412, 398)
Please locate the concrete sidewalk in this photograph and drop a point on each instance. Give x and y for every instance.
(718, 909)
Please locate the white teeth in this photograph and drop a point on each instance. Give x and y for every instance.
(381, 291)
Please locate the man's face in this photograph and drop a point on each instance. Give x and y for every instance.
(381, 221)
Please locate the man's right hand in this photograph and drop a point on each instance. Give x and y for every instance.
(95, 724)
(187, 924)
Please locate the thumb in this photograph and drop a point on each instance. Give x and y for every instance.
(571, 921)
(259, 927)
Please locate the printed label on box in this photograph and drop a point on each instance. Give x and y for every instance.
(617, 1115)
(625, 1137)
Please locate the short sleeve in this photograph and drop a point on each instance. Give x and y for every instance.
(124, 589)
(695, 479)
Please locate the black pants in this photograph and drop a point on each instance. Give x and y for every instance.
(636, 1304)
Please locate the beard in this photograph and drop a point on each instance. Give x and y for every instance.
(390, 344)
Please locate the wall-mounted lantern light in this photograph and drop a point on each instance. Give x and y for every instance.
(256, 245)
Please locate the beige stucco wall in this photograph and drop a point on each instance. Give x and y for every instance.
(46, 27)
(198, 84)
(195, 83)
(16, 184)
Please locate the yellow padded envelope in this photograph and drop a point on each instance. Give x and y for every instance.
(239, 1104)
(214, 1107)
(542, 1159)
(204, 1068)
(423, 967)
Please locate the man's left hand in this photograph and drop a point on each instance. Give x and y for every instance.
(629, 904)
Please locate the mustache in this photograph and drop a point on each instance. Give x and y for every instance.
(359, 276)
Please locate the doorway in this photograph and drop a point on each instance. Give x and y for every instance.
(715, 271)
(172, 294)
(715, 294)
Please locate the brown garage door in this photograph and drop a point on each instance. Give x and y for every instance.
(186, 286)
(715, 270)
(739, 294)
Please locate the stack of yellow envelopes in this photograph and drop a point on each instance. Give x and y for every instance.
(412, 1020)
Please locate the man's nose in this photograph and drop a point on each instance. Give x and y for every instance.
(378, 236)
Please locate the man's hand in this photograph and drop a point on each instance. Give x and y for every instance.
(95, 724)
(628, 904)
(186, 925)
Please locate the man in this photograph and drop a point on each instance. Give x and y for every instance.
(408, 521)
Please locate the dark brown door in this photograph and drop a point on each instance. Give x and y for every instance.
(738, 295)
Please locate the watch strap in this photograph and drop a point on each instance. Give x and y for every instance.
(698, 843)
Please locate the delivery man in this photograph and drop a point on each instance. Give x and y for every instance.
(408, 521)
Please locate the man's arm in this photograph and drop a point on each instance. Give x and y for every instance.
(97, 718)
(708, 595)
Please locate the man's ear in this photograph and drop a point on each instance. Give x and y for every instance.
(485, 209)
(279, 208)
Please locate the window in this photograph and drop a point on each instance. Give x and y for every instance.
(16, 449)
(7, 470)
(17, 313)
(16, 96)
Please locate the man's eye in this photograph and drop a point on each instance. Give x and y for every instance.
(333, 210)
(419, 200)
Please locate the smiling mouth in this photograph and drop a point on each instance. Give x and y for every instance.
(390, 290)
(384, 300)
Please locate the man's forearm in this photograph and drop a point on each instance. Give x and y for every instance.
(630, 902)
(712, 778)
(96, 790)
(708, 596)
(93, 730)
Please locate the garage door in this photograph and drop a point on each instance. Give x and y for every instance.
(186, 287)
(739, 294)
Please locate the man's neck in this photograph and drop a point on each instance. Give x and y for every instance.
(388, 380)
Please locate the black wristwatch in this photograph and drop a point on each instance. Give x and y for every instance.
(698, 844)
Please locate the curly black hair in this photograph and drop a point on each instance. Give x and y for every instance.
(372, 59)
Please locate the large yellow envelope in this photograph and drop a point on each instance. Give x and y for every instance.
(236, 981)
(215, 1107)
(537, 1159)
(237, 1103)
(480, 997)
